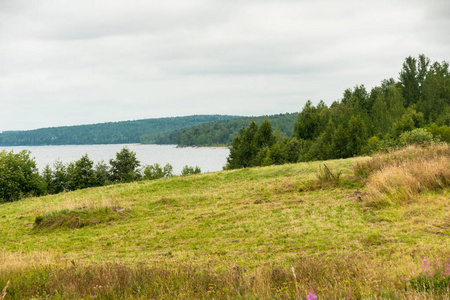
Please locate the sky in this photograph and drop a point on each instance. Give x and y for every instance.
(65, 62)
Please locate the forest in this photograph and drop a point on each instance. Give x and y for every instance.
(221, 133)
(104, 133)
(414, 109)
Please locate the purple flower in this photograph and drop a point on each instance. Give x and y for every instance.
(245, 269)
(311, 296)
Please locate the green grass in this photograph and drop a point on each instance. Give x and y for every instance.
(265, 219)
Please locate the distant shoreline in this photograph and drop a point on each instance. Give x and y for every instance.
(197, 147)
(175, 145)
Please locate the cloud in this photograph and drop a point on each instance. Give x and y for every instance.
(95, 61)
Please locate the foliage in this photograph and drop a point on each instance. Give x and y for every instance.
(155, 171)
(188, 170)
(255, 146)
(125, 167)
(440, 132)
(223, 132)
(137, 131)
(416, 136)
(19, 176)
(82, 174)
(361, 123)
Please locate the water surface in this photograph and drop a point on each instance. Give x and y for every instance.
(208, 159)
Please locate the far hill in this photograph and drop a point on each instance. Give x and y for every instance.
(104, 133)
(221, 133)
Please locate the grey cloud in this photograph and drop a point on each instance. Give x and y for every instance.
(95, 61)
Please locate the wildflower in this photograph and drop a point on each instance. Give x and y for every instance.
(245, 269)
(311, 296)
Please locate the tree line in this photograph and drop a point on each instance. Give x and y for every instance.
(414, 109)
(105, 133)
(19, 176)
(221, 133)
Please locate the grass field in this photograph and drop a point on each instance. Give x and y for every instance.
(278, 232)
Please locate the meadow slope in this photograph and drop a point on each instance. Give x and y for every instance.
(259, 233)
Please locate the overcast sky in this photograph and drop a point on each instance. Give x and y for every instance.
(66, 62)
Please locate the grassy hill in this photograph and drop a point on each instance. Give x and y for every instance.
(260, 233)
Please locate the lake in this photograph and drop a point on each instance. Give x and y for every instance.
(208, 159)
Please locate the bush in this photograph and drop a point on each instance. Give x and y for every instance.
(155, 171)
(187, 170)
(416, 136)
(443, 132)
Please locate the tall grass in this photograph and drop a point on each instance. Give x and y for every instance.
(400, 176)
(349, 277)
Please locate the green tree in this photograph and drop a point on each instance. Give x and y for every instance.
(47, 178)
(339, 143)
(155, 171)
(435, 92)
(307, 122)
(82, 174)
(412, 76)
(381, 121)
(264, 136)
(292, 149)
(60, 178)
(356, 133)
(19, 176)
(102, 174)
(243, 150)
(125, 167)
(188, 170)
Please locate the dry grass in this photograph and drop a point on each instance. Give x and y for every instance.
(401, 176)
(19, 261)
(397, 157)
(347, 277)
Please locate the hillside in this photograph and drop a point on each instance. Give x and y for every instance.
(269, 232)
(221, 133)
(103, 133)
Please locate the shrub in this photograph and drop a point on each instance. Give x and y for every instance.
(155, 171)
(442, 132)
(187, 170)
(416, 136)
